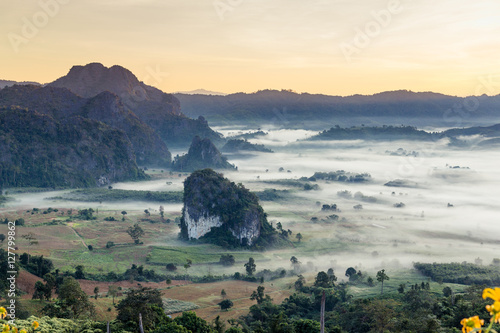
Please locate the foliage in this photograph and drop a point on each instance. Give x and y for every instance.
(105, 195)
(227, 260)
(250, 266)
(342, 176)
(193, 323)
(135, 232)
(225, 304)
(72, 302)
(140, 301)
(235, 145)
(40, 151)
(463, 273)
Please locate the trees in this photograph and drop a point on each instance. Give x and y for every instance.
(79, 272)
(250, 266)
(2, 237)
(298, 236)
(225, 304)
(323, 280)
(140, 301)
(227, 260)
(123, 213)
(192, 323)
(381, 277)
(350, 273)
(331, 275)
(72, 297)
(96, 292)
(113, 291)
(188, 264)
(30, 237)
(223, 294)
(135, 232)
(299, 284)
(259, 296)
(295, 264)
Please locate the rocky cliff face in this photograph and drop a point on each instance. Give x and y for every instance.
(202, 154)
(220, 211)
(37, 150)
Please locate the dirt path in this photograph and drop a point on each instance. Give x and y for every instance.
(77, 235)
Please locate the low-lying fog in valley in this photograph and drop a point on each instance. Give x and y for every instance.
(450, 201)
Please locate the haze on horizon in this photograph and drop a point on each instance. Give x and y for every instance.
(230, 46)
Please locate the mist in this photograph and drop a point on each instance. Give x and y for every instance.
(449, 212)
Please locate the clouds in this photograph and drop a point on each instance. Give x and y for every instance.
(278, 44)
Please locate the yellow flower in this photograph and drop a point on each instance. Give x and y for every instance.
(3, 312)
(6, 328)
(14, 329)
(22, 331)
(35, 325)
(469, 324)
(494, 311)
(493, 294)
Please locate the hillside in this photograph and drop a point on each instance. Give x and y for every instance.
(159, 110)
(202, 154)
(37, 150)
(60, 103)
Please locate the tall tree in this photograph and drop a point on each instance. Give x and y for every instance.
(113, 291)
(298, 236)
(32, 240)
(381, 277)
(250, 266)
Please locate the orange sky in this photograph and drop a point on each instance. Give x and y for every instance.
(336, 47)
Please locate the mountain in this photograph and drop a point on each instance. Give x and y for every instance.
(157, 109)
(202, 154)
(61, 103)
(201, 92)
(7, 83)
(37, 150)
(287, 109)
(218, 211)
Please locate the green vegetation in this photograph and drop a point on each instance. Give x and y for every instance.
(107, 195)
(198, 254)
(236, 145)
(3, 199)
(375, 133)
(38, 151)
(463, 273)
(176, 306)
(342, 176)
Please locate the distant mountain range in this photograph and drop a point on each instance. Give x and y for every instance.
(287, 109)
(201, 92)
(7, 83)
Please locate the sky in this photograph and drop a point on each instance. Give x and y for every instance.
(334, 47)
